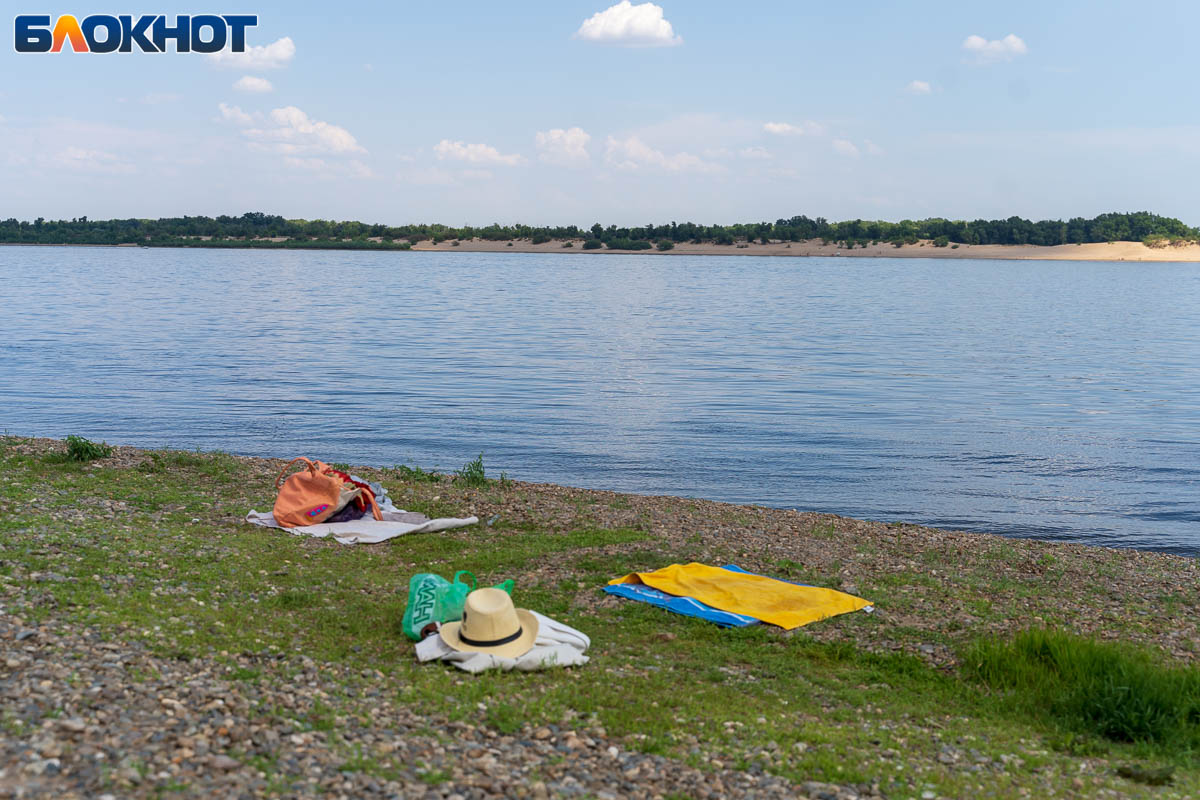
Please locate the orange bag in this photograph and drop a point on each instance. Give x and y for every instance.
(314, 495)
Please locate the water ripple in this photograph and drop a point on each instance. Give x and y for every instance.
(1035, 399)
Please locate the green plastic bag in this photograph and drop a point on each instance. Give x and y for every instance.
(432, 598)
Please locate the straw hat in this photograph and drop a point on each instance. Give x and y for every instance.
(490, 624)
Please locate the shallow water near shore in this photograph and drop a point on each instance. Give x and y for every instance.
(1056, 400)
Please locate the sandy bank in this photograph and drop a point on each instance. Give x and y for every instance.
(1103, 251)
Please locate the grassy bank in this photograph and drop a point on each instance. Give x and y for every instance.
(150, 547)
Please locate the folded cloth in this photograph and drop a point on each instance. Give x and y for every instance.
(557, 645)
(773, 601)
(381, 495)
(367, 530)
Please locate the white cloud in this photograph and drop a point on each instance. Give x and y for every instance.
(360, 170)
(272, 56)
(708, 135)
(873, 149)
(634, 154)
(788, 129)
(563, 147)
(295, 127)
(313, 164)
(474, 153)
(755, 152)
(235, 114)
(919, 87)
(81, 159)
(249, 83)
(845, 147)
(642, 25)
(986, 52)
(292, 132)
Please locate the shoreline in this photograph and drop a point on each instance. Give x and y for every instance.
(1098, 251)
(268, 658)
(762, 534)
(124, 453)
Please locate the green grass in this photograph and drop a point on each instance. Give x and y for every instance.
(657, 682)
(81, 451)
(506, 718)
(434, 777)
(472, 473)
(415, 474)
(1112, 690)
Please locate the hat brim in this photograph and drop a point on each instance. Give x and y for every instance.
(451, 633)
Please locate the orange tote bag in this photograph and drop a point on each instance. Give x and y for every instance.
(307, 497)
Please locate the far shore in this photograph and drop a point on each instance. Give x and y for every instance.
(1101, 251)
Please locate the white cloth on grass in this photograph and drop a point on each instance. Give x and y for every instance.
(368, 530)
(557, 645)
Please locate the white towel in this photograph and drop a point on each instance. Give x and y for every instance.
(368, 530)
(557, 645)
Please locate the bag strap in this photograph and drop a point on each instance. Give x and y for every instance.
(311, 468)
(367, 492)
(473, 582)
(375, 512)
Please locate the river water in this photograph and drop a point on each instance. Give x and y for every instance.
(1056, 400)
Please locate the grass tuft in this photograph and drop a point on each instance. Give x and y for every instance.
(1113, 690)
(294, 599)
(82, 450)
(505, 718)
(1149, 775)
(415, 474)
(472, 473)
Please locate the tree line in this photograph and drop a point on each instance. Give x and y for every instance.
(267, 230)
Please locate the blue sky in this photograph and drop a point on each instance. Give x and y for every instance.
(538, 113)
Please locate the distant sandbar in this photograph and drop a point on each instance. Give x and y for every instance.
(1102, 251)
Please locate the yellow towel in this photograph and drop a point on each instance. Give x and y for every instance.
(784, 604)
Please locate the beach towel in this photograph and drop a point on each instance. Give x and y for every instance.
(557, 645)
(777, 602)
(687, 606)
(395, 522)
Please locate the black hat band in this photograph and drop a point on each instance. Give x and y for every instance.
(462, 637)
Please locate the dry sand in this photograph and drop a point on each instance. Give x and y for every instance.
(1111, 251)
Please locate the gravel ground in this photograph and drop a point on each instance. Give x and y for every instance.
(1108, 593)
(85, 714)
(89, 717)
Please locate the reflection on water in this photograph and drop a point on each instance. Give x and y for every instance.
(1055, 400)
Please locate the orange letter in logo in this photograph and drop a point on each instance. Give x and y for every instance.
(68, 27)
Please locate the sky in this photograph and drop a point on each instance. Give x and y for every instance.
(567, 112)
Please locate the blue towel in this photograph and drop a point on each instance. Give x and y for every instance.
(680, 605)
(683, 605)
